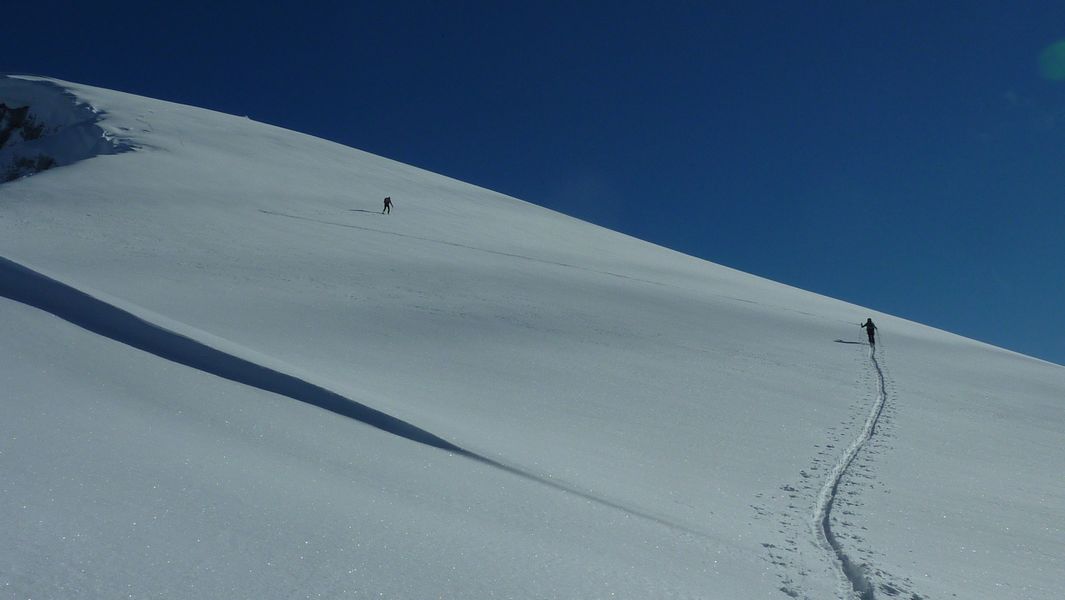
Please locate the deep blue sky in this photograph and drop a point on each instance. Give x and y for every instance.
(907, 156)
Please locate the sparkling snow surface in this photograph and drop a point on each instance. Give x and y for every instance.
(648, 425)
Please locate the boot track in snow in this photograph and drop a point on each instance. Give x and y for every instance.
(850, 572)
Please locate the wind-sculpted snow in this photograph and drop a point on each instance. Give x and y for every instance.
(43, 125)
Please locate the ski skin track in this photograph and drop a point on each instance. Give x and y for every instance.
(851, 575)
(32, 288)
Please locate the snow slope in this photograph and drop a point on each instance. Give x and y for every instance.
(226, 374)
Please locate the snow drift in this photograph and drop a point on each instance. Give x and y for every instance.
(615, 419)
(42, 125)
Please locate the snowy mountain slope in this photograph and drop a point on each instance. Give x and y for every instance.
(693, 413)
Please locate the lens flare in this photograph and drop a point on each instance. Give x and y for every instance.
(1052, 62)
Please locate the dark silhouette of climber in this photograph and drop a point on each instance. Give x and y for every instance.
(870, 329)
(387, 210)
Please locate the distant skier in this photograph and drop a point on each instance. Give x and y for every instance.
(387, 210)
(870, 329)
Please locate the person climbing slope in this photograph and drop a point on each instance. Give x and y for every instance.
(870, 329)
(387, 210)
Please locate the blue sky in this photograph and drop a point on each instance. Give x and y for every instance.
(907, 156)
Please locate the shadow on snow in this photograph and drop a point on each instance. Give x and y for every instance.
(29, 287)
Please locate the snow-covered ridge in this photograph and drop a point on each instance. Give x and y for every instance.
(42, 125)
(226, 374)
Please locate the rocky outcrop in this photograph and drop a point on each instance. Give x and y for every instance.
(43, 125)
(22, 166)
(17, 125)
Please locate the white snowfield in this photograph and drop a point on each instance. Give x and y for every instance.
(225, 374)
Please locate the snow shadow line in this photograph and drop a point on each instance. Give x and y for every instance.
(34, 289)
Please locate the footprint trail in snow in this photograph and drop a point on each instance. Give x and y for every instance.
(852, 575)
